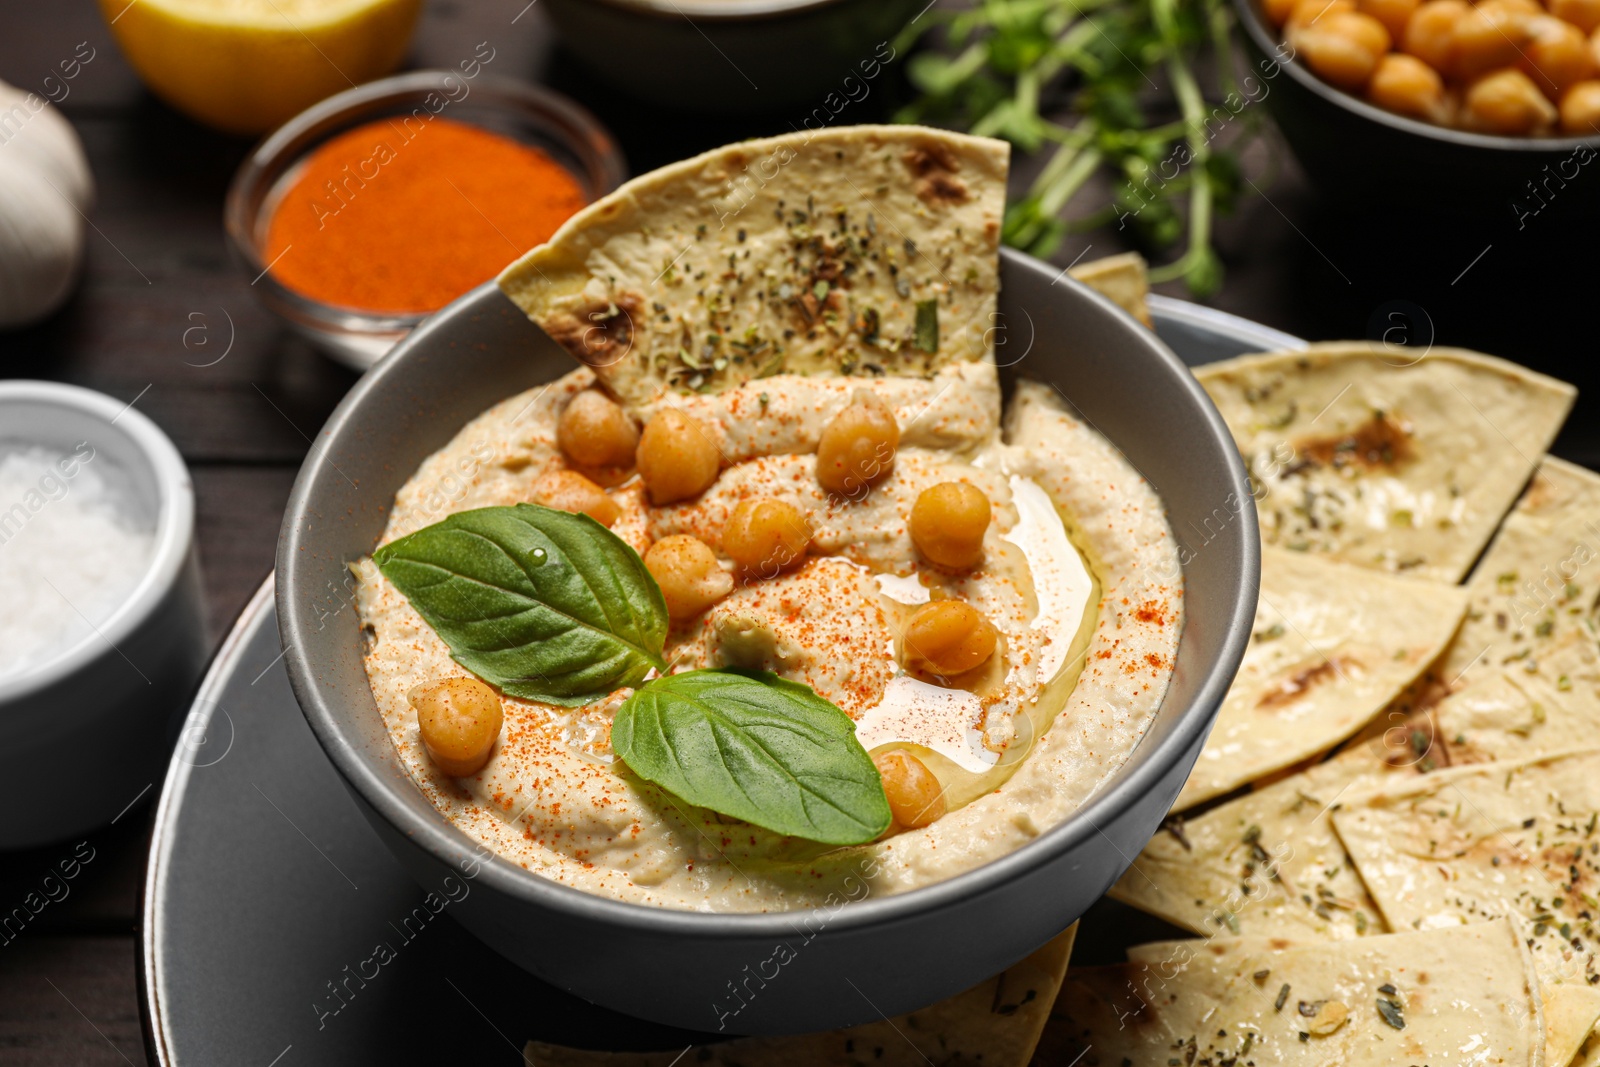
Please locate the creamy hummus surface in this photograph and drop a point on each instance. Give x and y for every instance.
(1080, 576)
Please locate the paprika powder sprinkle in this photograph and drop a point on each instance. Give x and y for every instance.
(395, 217)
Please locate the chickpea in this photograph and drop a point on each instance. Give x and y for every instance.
(1278, 11)
(948, 522)
(1558, 55)
(691, 580)
(1580, 108)
(1310, 12)
(915, 796)
(1408, 86)
(459, 720)
(1343, 47)
(1431, 33)
(678, 456)
(1394, 14)
(766, 536)
(1584, 14)
(571, 491)
(948, 637)
(1507, 102)
(594, 431)
(1490, 36)
(857, 446)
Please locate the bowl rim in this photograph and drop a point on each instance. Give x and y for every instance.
(1268, 40)
(174, 530)
(563, 118)
(451, 846)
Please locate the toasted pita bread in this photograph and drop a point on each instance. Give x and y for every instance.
(1513, 713)
(1124, 280)
(1398, 467)
(994, 1024)
(1333, 645)
(860, 249)
(1589, 1053)
(1539, 579)
(1270, 863)
(1395, 999)
(1570, 1010)
(1509, 838)
(1267, 863)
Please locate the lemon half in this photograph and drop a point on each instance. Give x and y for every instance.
(246, 66)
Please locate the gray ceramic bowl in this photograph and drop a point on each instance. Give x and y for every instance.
(886, 955)
(737, 56)
(1360, 154)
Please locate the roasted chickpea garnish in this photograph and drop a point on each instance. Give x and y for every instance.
(1580, 108)
(1431, 33)
(595, 432)
(1278, 11)
(571, 491)
(691, 580)
(677, 456)
(1584, 14)
(1507, 102)
(858, 446)
(915, 796)
(1498, 66)
(1491, 35)
(1394, 14)
(948, 522)
(459, 720)
(1343, 47)
(1408, 86)
(1310, 12)
(948, 637)
(766, 536)
(1557, 55)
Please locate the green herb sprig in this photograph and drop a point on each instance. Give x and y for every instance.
(1000, 61)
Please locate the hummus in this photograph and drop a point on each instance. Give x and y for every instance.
(1080, 577)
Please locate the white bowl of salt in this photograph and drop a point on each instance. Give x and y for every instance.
(102, 627)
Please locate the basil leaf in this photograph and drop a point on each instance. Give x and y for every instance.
(544, 604)
(755, 746)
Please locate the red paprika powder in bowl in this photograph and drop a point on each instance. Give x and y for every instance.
(363, 215)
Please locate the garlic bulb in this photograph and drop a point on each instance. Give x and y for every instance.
(45, 187)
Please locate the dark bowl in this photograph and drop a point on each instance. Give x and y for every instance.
(1360, 154)
(891, 954)
(737, 56)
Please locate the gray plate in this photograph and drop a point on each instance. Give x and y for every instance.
(277, 930)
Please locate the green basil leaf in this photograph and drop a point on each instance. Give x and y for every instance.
(755, 746)
(544, 604)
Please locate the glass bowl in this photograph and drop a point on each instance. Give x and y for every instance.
(358, 337)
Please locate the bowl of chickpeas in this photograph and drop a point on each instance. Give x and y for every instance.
(673, 965)
(1466, 102)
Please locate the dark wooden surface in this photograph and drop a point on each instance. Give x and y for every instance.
(157, 267)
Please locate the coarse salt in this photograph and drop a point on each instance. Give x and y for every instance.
(70, 551)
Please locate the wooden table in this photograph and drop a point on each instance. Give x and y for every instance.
(157, 269)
